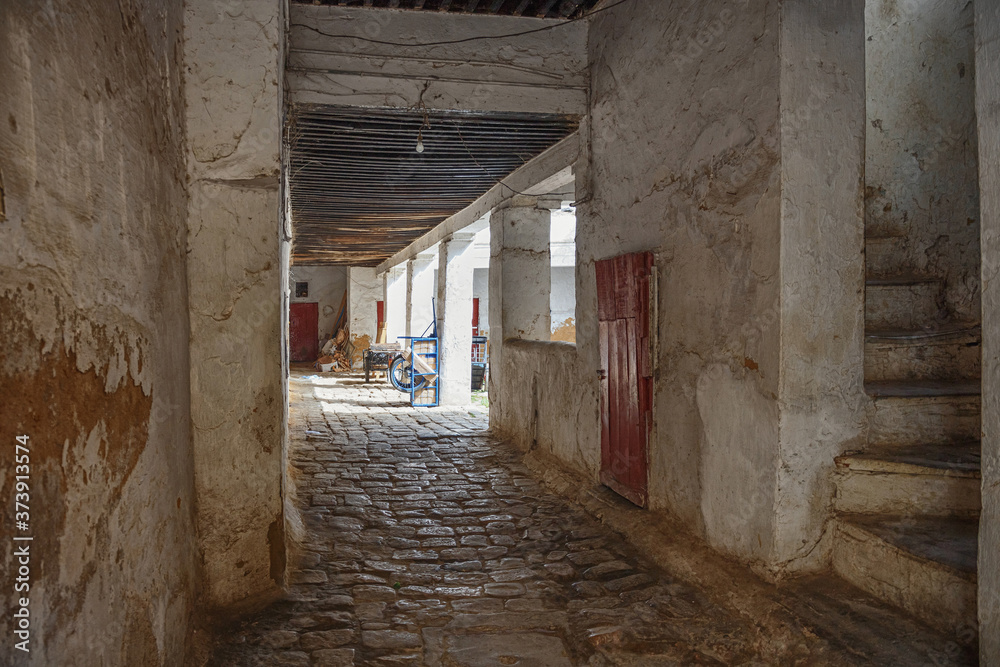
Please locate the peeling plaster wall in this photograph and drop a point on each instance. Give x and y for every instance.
(93, 314)
(543, 72)
(684, 146)
(921, 166)
(686, 159)
(327, 285)
(988, 108)
(545, 403)
(233, 65)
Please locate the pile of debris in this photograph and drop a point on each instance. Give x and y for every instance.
(337, 354)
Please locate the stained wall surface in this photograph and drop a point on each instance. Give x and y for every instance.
(758, 245)
(94, 321)
(235, 276)
(702, 192)
(920, 168)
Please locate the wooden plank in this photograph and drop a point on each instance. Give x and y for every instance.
(605, 403)
(632, 286)
(634, 449)
(341, 316)
(623, 450)
(620, 287)
(642, 325)
(614, 400)
(642, 480)
(605, 290)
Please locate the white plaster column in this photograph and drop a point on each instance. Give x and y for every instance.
(822, 272)
(419, 292)
(364, 290)
(988, 114)
(454, 313)
(520, 285)
(394, 296)
(520, 234)
(233, 71)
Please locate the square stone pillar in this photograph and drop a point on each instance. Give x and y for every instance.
(363, 292)
(232, 78)
(394, 296)
(988, 115)
(820, 310)
(520, 284)
(419, 292)
(454, 313)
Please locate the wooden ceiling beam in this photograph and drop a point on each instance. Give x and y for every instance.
(546, 8)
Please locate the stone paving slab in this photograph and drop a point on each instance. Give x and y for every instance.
(430, 543)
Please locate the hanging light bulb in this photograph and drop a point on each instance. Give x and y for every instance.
(420, 133)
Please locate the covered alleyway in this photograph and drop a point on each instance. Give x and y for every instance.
(427, 542)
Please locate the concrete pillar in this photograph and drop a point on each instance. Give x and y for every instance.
(520, 284)
(988, 115)
(394, 295)
(232, 77)
(419, 292)
(454, 313)
(364, 290)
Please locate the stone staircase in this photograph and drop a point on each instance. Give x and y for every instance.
(907, 506)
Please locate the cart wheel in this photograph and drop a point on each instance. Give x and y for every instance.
(367, 365)
(399, 375)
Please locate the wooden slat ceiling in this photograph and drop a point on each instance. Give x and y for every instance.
(360, 191)
(547, 9)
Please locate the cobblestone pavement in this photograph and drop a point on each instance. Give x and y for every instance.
(428, 543)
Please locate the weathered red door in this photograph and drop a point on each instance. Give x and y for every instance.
(303, 331)
(623, 307)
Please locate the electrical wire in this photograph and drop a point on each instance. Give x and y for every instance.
(466, 39)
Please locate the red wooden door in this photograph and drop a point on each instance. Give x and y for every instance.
(303, 331)
(623, 307)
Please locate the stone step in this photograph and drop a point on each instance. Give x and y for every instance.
(932, 480)
(884, 255)
(947, 352)
(903, 302)
(924, 565)
(923, 412)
